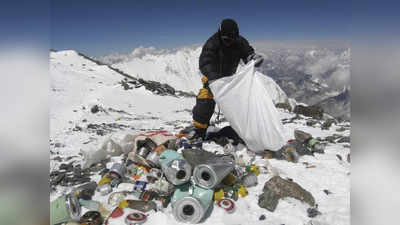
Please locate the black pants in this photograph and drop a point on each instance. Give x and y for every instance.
(204, 108)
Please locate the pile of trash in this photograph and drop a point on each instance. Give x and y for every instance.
(157, 169)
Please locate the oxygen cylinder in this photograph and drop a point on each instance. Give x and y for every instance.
(64, 209)
(213, 171)
(190, 203)
(177, 170)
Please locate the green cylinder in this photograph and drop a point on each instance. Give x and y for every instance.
(64, 209)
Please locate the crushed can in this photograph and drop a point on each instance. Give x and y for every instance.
(104, 189)
(118, 170)
(143, 152)
(227, 204)
(64, 209)
(140, 205)
(176, 169)
(135, 218)
(153, 175)
(91, 218)
(213, 171)
(148, 195)
(153, 159)
(190, 203)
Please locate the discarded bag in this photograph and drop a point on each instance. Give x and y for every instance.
(245, 102)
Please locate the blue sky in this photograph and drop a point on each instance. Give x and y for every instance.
(99, 27)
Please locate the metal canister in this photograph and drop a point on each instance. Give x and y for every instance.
(190, 203)
(177, 170)
(90, 204)
(64, 209)
(135, 218)
(118, 169)
(91, 218)
(105, 189)
(211, 173)
(143, 152)
(153, 159)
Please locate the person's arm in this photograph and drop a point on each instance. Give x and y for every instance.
(248, 53)
(246, 50)
(208, 60)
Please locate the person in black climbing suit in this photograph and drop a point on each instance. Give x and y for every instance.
(219, 58)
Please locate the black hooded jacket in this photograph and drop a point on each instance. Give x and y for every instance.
(217, 60)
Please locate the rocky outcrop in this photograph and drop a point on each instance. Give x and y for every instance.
(277, 188)
(315, 112)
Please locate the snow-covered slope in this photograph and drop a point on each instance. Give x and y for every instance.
(78, 84)
(178, 68)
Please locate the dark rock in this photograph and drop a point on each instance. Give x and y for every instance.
(268, 200)
(57, 158)
(339, 157)
(313, 212)
(327, 124)
(59, 145)
(341, 129)
(77, 128)
(95, 109)
(301, 136)
(277, 188)
(348, 158)
(67, 167)
(57, 179)
(327, 192)
(331, 139)
(311, 123)
(315, 112)
(285, 105)
(100, 132)
(262, 217)
(84, 120)
(344, 140)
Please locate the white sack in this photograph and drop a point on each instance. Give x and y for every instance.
(246, 104)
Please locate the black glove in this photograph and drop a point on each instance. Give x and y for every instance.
(257, 58)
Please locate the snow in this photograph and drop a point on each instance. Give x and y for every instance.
(78, 84)
(179, 68)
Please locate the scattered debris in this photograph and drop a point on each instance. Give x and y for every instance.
(94, 109)
(345, 139)
(313, 212)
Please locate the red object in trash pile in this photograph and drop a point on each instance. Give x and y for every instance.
(117, 213)
(291, 141)
(155, 132)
